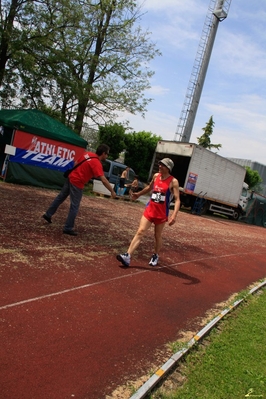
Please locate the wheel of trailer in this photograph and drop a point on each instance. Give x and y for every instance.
(204, 208)
(236, 214)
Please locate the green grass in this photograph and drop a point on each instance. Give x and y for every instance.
(232, 364)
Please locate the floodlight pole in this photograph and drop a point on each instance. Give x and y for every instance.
(217, 12)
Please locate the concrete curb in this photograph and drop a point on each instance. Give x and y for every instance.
(155, 378)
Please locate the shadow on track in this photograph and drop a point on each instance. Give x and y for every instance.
(167, 270)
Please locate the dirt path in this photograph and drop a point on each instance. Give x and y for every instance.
(76, 325)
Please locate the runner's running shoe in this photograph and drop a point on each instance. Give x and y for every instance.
(124, 259)
(154, 260)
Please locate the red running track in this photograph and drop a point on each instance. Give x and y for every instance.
(76, 325)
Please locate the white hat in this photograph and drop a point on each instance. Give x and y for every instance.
(168, 163)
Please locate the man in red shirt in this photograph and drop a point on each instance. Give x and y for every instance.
(91, 167)
(164, 188)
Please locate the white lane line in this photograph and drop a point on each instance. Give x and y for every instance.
(65, 291)
(53, 294)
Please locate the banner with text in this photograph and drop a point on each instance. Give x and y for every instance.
(191, 183)
(39, 151)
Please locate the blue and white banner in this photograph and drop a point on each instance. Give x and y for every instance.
(42, 152)
(42, 160)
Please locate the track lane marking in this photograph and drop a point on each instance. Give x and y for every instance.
(19, 303)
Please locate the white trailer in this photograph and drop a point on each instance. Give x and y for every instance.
(208, 182)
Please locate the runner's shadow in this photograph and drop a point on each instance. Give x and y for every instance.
(170, 271)
(176, 273)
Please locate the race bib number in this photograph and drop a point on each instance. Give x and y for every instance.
(158, 197)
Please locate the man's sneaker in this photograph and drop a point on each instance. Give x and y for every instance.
(70, 232)
(47, 218)
(124, 259)
(154, 260)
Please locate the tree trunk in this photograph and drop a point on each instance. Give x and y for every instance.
(80, 116)
(102, 30)
(6, 37)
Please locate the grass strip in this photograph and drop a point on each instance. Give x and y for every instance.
(232, 365)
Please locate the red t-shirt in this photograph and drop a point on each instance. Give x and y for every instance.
(87, 170)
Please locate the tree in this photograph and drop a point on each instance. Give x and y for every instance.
(9, 11)
(253, 179)
(91, 136)
(87, 59)
(113, 135)
(140, 149)
(27, 26)
(205, 140)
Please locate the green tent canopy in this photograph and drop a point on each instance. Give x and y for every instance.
(36, 122)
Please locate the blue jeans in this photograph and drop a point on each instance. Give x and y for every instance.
(75, 198)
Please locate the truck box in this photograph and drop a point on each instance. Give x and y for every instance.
(201, 172)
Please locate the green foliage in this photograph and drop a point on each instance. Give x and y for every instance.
(205, 140)
(91, 135)
(140, 149)
(114, 136)
(51, 112)
(88, 60)
(253, 179)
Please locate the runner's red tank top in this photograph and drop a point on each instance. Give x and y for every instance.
(159, 203)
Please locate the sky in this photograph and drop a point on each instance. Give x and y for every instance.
(234, 92)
